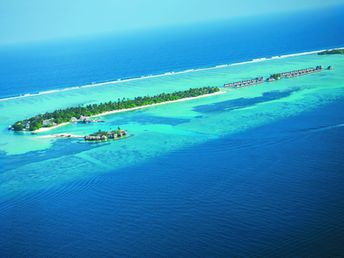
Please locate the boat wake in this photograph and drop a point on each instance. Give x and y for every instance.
(325, 128)
(322, 128)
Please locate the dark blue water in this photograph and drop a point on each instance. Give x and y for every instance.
(243, 102)
(272, 191)
(36, 67)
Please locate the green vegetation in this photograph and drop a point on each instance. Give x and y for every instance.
(100, 133)
(65, 115)
(18, 126)
(276, 76)
(108, 133)
(332, 52)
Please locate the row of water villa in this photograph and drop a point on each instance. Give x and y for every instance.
(276, 76)
(106, 135)
(245, 83)
(296, 73)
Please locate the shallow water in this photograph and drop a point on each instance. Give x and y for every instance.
(254, 171)
(158, 130)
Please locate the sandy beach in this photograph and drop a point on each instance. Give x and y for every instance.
(45, 129)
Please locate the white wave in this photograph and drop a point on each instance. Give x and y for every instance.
(259, 59)
(172, 73)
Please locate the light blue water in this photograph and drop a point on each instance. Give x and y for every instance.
(253, 172)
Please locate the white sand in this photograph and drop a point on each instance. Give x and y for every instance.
(44, 129)
(157, 104)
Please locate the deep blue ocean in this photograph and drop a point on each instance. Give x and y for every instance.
(37, 67)
(272, 191)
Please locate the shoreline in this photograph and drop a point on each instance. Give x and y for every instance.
(45, 129)
(158, 104)
(91, 85)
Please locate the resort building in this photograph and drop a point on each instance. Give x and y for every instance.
(104, 136)
(48, 122)
(85, 119)
(74, 120)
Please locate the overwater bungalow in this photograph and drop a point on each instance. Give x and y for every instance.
(276, 76)
(245, 83)
(104, 136)
(295, 73)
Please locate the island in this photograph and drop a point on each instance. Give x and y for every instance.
(62, 117)
(338, 51)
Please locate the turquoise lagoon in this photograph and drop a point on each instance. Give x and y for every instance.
(31, 163)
